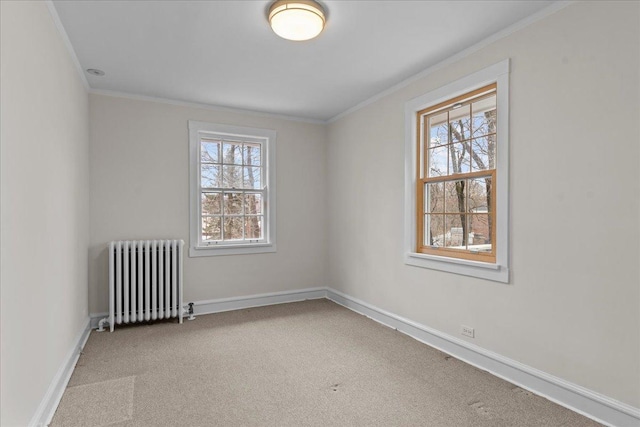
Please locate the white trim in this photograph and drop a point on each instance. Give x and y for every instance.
(572, 396)
(479, 270)
(248, 249)
(496, 73)
(204, 106)
(51, 398)
(238, 303)
(477, 264)
(267, 139)
(67, 43)
(547, 11)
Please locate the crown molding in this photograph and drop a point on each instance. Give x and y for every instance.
(523, 23)
(204, 106)
(67, 43)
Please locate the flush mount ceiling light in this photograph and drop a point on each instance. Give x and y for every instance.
(296, 19)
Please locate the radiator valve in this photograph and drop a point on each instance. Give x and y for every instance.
(101, 324)
(191, 316)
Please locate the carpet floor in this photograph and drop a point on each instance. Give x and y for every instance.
(312, 363)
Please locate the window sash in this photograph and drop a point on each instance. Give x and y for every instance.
(424, 136)
(444, 251)
(263, 209)
(263, 191)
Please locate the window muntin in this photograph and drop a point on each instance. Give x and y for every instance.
(456, 182)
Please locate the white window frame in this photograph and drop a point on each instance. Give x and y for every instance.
(267, 138)
(498, 271)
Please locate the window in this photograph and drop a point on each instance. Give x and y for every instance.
(232, 189)
(455, 192)
(457, 176)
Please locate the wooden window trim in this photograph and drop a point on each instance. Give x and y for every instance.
(473, 95)
(422, 159)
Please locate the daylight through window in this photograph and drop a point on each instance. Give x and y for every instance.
(232, 193)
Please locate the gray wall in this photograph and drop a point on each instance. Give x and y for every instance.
(140, 190)
(573, 306)
(45, 207)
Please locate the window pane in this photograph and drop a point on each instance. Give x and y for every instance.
(437, 161)
(253, 203)
(211, 228)
(454, 196)
(210, 151)
(480, 233)
(438, 130)
(232, 176)
(434, 230)
(232, 203)
(482, 151)
(253, 227)
(479, 195)
(460, 123)
(484, 116)
(252, 178)
(211, 203)
(233, 228)
(459, 158)
(251, 154)
(210, 176)
(232, 153)
(434, 198)
(454, 233)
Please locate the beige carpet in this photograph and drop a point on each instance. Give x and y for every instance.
(311, 363)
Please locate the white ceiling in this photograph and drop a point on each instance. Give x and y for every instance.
(224, 53)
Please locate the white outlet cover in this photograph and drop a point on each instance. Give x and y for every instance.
(467, 331)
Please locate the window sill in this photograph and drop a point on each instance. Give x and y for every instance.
(464, 267)
(254, 248)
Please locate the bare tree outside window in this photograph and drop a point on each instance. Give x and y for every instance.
(231, 183)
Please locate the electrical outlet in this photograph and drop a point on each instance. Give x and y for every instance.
(467, 331)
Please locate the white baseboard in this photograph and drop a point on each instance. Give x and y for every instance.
(579, 399)
(51, 399)
(237, 303)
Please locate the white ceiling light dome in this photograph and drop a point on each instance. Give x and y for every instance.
(297, 20)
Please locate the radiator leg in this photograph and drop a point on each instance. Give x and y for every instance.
(101, 324)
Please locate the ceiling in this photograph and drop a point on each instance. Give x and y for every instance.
(224, 53)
